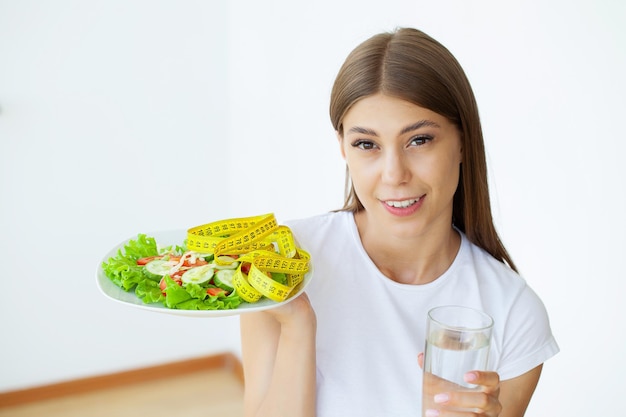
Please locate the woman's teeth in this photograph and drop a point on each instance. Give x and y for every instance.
(402, 204)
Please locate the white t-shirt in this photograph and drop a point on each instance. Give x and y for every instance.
(370, 329)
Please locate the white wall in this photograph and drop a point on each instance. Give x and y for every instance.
(108, 111)
(105, 105)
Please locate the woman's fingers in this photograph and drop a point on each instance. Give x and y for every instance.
(483, 400)
(458, 403)
(490, 381)
(471, 400)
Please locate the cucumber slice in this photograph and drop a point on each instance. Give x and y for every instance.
(231, 263)
(198, 275)
(157, 268)
(224, 279)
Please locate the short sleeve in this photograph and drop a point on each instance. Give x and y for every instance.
(528, 339)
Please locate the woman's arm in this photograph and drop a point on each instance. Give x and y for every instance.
(515, 393)
(278, 348)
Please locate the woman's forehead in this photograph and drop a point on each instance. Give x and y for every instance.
(384, 110)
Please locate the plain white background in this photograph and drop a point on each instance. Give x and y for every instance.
(119, 117)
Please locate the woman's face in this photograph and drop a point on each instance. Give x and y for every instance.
(404, 164)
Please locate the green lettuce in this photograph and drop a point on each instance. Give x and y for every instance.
(195, 297)
(124, 272)
(149, 291)
(122, 269)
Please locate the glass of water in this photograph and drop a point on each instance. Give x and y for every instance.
(457, 342)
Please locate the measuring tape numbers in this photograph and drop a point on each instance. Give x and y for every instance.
(263, 244)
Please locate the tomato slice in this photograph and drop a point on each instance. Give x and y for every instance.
(178, 274)
(163, 284)
(143, 261)
(198, 262)
(215, 291)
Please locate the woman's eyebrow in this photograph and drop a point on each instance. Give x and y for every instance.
(406, 129)
(419, 125)
(362, 131)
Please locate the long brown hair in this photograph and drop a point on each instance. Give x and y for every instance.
(412, 66)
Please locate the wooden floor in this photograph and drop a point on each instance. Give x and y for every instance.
(215, 388)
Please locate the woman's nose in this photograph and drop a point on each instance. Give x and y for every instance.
(395, 168)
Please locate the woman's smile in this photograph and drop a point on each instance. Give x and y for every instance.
(403, 207)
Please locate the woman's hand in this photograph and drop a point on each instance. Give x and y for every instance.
(296, 312)
(441, 402)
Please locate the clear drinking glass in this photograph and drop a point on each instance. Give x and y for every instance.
(457, 341)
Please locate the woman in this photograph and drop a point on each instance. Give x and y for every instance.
(416, 231)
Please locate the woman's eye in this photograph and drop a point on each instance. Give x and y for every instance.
(366, 145)
(421, 140)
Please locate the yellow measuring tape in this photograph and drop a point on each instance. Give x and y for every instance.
(264, 244)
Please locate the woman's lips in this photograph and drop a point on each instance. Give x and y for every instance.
(404, 207)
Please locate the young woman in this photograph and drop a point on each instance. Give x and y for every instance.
(416, 232)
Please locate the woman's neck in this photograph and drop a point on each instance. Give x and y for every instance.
(413, 260)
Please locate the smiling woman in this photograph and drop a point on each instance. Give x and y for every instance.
(419, 70)
(415, 232)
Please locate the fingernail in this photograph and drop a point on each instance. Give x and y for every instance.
(432, 413)
(442, 398)
(470, 377)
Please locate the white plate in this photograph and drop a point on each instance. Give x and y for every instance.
(177, 237)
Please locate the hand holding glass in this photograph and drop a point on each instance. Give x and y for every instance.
(457, 342)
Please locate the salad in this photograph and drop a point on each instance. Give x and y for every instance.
(219, 266)
(176, 277)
